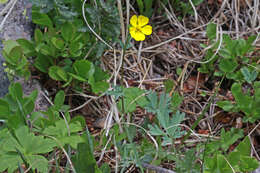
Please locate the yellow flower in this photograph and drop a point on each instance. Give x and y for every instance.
(139, 27)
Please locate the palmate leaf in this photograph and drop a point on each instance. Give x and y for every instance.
(28, 145)
(60, 132)
(160, 107)
(133, 97)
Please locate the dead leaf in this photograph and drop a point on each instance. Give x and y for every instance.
(191, 83)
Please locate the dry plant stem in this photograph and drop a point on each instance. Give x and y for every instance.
(187, 32)
(127, 15)
(139, 52)
(117, 155)
(66, 154)
(119, 6)
(103, 150)
(86, 21)
(195, 11)
(229, 165)
(195, 124)
(13, 2)
(157, 168)
(6, 7)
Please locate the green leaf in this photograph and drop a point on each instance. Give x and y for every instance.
(78, 77)
(43, 63)
(33, 144)
(230, 137)
(240, 157)
(4, 109)
(58, 43)
(225, 105)
(168, 84)
(9, 162)
(57, 73)
(248, 164)
(3, 1)
(140, 6)
(15, 56)
(46, 50)
(100, 75)
(60, 132)
(16, 91)
(67, 32)
(176, 101)
(211, 31)
(217, 164)
(27, 46)
(84, 160)
(38, 162)
(41, 19)
(249, 76)
(83, 68)
(227, 65)
(99, 87)
(9, 45)
(132, 98)
(243, 100)
(59, 98)
(38, 36)
(105, 168)
(155, 130)
(28, 146)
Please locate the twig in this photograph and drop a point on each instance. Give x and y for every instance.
(86, 21)
(157, 168)
(9, 12)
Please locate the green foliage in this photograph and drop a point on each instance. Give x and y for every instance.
(176, 98)
(231, 57)
(58, 53)
(226, 139)
(19, 146)
(3, 1)
(187, 163)
(145, 7)
(14, 107)
(239, 159)
(15, 58)
(130, 154)
(22, 145)
(168, 126)
(184, 7)
(245, 102)
(84, 159)
(132, 97)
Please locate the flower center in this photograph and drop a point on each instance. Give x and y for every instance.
(138, 29)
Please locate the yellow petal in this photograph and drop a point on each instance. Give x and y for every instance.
(142, 20)
(137, 35)
(133, 20)
(147, 30)
(132, 31)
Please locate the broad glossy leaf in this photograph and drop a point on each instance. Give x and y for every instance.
(211, 31)
(67, 32)
(227, 65)
(84, 68)
(41, 19)
(59, 98)
(57, 73)
(38, 36)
